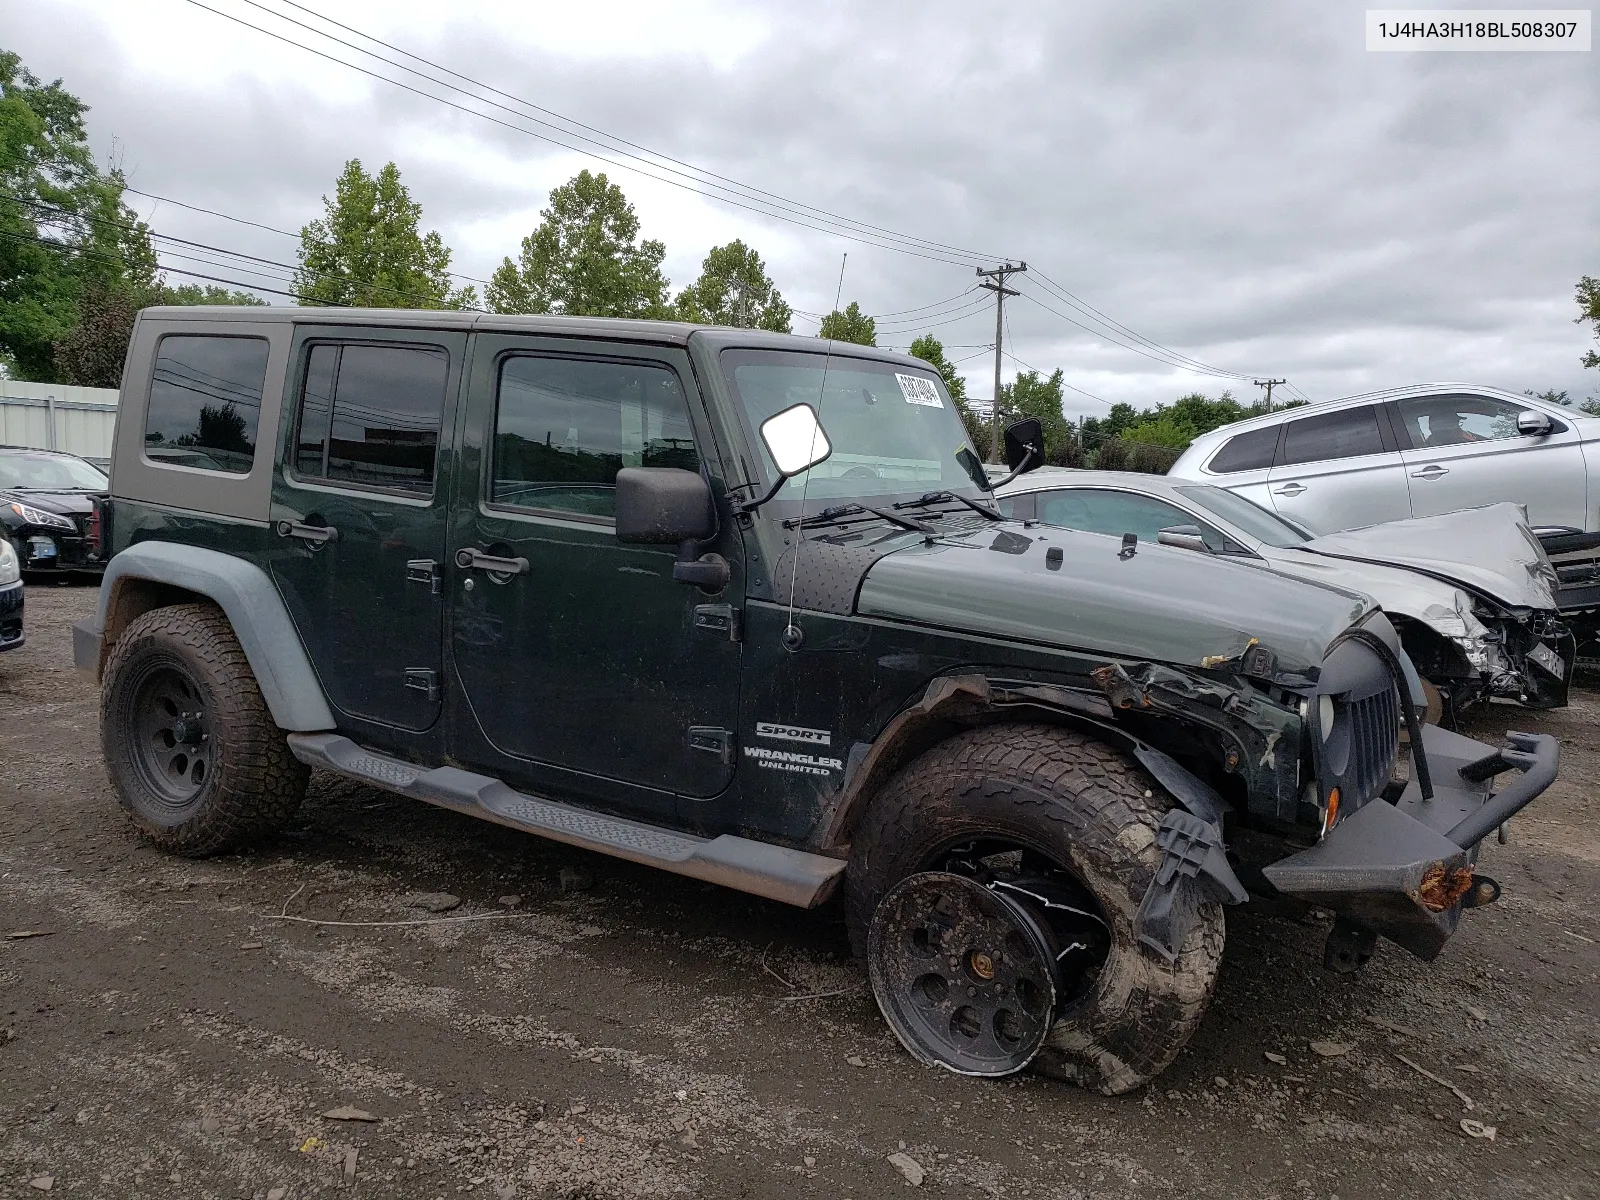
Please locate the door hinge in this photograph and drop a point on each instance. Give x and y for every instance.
(423, 679)
(711, 740)
(423, 570)
(718, 618)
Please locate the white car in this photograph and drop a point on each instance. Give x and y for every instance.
(1410, 452)
(1471, 593)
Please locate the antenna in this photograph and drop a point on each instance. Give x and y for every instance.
(793, 637)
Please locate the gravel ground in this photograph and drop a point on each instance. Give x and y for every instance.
(609, 1031)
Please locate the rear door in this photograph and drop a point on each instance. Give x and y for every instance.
(586, 669)
(1463, 450)
(1241, 464)
(1340, 470)
(359, 521)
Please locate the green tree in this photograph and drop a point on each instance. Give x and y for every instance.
(733, 289)
(64, 231)
(367, 249)
(849, 325)
(193, 293)
(1033, 395)
(931, 351)
(1588, 298)
(584, 259)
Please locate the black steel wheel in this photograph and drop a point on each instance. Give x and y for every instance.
(964, 975)
(193, 753)
(168, 735)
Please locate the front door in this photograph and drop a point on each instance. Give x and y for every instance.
(1339, 470)
(359, 521)
(1464, 450)
(584, 666)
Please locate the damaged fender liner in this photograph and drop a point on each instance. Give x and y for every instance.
(1194, 870)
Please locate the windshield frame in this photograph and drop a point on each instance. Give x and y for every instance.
(790, 507)
(73, 462)
(1198, 493)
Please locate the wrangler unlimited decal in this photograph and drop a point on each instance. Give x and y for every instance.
(791, 760)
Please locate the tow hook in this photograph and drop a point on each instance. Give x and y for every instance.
(1483, 892)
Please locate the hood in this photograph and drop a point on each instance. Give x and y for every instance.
(65, 504)
(1161, 604)
(1490, 550)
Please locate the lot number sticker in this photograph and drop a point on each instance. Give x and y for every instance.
(918, 390)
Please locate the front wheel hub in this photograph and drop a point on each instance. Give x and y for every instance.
(965, 976)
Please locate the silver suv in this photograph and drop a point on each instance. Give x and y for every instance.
(1409, 452)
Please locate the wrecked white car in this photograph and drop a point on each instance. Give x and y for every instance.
(1471, 593)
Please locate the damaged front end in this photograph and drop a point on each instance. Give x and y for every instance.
(1489, 650)
(1391, 857)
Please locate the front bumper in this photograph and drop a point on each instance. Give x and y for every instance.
(1404, 870)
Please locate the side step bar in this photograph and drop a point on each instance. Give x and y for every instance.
(776, 872)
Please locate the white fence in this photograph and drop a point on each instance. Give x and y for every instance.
(53, 416)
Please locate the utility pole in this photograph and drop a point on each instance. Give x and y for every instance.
(1268, 384)
(997, 284)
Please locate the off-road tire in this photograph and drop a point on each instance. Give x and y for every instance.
(1095, 813)
(255, 784)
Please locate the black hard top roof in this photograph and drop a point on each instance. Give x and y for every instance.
(672, 333)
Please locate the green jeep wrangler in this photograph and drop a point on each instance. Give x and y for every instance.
(741, 606)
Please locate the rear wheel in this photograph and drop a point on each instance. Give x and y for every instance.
(192, 750)
(1063, 828)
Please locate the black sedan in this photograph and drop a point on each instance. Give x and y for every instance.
(50, 506)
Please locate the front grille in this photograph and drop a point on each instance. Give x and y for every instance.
(1374, 742)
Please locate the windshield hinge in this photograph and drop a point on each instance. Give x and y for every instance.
(718, 618)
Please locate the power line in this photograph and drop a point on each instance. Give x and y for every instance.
(756, 205)
(690, 171)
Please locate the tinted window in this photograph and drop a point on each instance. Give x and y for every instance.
(1455, 420)
(369, 415)
(1251, 451)
(1118, 513)
(205, 402)
(565, 427)
(1344, 434)
(1251, 518)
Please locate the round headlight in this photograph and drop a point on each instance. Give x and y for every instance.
(1325, 716)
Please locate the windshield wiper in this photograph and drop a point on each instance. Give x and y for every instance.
(832, 516)
(951, 498)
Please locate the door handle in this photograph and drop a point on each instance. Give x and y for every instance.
(1431, 471)
(1290, 489)
(317, 535)
(469, 559)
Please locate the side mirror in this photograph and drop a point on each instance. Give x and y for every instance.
(795, 439)
(1021, 439)
(1184, 537)
(1533, 423)
(663, 506)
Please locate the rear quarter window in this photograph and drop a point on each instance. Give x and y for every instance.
(1252, 451)
(205, 402)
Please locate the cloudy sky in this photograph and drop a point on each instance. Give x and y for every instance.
(1241, 184)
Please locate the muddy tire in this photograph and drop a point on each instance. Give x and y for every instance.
(193, 753)
(1092, 812)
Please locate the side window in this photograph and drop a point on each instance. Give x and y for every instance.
(564, 427)
(369, 416)
(205, 402)
(1117, 513)
(1455, 420)
(1251, 451)
(1344, 434)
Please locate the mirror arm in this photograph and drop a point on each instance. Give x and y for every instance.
(742, 507)
(1021, 467)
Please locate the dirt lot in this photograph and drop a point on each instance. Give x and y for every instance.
(616, 1032)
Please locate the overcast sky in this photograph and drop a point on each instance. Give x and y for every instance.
(1240, 182)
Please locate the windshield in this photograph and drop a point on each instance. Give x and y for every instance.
(894, 430)
(49, 472)
(1250, 518)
